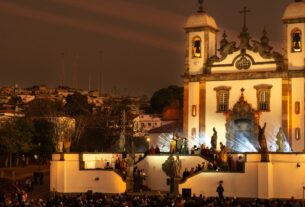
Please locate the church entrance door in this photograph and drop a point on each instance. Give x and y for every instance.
(242, 127)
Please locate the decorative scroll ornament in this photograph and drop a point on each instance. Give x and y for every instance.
(243, 63)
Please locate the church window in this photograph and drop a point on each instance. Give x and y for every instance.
(222, 96)
(194, 110)
(296, 40)
(196, 47)
(263, 97)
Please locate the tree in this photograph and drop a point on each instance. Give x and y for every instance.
(166, 97)
(98, 136)
(16, 138)
(77, 104)
(43, 140)
(44, 108)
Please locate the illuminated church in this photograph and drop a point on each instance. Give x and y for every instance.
(236, 86)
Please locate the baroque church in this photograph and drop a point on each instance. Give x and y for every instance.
(236, 87)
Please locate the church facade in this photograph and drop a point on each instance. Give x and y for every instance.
(235, 87)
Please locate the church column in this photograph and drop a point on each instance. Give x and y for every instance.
(304, 117)
(287, 108)
(185, 107)
(202, 104)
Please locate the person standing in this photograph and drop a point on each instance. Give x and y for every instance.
(220, 190)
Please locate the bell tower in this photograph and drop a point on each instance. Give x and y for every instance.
(294, 33)
(201, 37)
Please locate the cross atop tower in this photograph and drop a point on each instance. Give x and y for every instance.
(245, 11)
(200, 9)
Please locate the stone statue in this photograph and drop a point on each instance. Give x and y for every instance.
(184, 149)
(280, 140)
(178, 165)
(262, 138)
(130, 166)
(179, 145)
(223, 155)
(169, 167)
(122, 142)
(214, 140)
(172, 169)
(173, 145)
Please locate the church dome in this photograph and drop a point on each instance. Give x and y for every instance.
(201, 19)
(295, 10)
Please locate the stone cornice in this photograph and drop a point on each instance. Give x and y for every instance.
(244, 76)
(293, 21)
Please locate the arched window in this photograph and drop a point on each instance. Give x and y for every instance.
(296, 37)
(196, 47)
(263, 97)
(222, 96)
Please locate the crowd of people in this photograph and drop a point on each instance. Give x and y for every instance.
(123, 200)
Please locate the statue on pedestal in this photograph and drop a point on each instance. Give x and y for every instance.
(262, 138)
(223, 155)
(280, 140)
(184, 149)
(214, 140)
(172, 169)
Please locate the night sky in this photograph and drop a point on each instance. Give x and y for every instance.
(142, 40)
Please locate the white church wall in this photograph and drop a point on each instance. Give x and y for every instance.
(280, 178)
(94, 161)
(193, 121)
(66, 177)
(296, 60)
(218, 120)
(297, 119)
(288, 178)
(196, 64)
(155, 177)
(235, 184)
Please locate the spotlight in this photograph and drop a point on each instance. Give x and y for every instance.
(298, 165)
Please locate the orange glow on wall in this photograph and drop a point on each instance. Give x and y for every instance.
(194, 110)
(297, 107)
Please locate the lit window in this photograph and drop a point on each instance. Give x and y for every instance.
(197, 47)
(222, 96)
(263, 97)
(296, 41)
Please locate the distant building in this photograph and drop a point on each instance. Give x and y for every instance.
(143, 123)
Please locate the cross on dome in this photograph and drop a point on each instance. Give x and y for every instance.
(200, 9)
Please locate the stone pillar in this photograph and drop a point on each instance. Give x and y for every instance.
(185, 108)
(265, 180)
(202, 105)
(129, 184)
(177, 180)
(287, 108)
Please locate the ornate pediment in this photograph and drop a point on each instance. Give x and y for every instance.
(249, 56)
